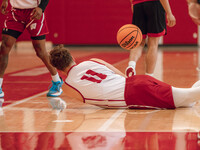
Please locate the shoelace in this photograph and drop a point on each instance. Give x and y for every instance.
(54, 86)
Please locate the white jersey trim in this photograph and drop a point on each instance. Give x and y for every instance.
(41, 24)
(107, 103)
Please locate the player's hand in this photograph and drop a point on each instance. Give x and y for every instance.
(4, 6)
(194, 12)
(36, 13)
(171, 20)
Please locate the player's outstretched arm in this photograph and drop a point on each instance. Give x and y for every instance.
(111, 67)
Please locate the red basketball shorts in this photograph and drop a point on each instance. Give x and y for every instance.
(142, 91)
(19, 20)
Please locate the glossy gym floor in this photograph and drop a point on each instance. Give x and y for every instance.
(30, 120)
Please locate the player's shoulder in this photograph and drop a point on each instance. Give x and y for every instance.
(92, 62)
(97, 60)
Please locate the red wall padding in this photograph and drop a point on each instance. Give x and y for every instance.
(79, 22)
(87, 22)
(183, 32)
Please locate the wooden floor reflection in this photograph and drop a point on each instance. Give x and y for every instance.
(41, 114)
(39, 122)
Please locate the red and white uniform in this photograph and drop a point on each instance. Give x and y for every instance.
(97, 84)
(18, 18)
(100, 86)
(24, 4)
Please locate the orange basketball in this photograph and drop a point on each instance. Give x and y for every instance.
(129, 36)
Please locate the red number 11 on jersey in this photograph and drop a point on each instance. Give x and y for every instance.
(93, 76)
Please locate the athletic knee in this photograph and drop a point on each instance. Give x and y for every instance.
(153, 48)
(4, 50)
(5, 47)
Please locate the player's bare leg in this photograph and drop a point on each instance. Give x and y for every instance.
(6, 46)
(135, 54)
(186, 97)
(40, 49)
(151, 55)
(55, 90)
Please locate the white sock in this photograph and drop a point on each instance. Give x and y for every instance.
(132, 63)
(150, 74)
(196, 84)
(1, 82)
(56, 78)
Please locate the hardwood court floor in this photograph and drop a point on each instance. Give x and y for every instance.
(30, 120)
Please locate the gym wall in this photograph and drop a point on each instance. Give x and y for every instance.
(92, 22)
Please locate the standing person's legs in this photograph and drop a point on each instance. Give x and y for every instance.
(135, 54)
(150, 18)
(140, 21)
(38, 30)
(40, 49)
(156, 27)
(12, 29)
(7, 44)
(39, 46)
(151, 55)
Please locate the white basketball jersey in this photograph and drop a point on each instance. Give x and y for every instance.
(98, 84)
(24, 4)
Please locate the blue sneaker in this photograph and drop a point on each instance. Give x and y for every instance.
(1, 93)
(56, 89)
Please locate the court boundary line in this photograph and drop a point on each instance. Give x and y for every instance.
(24, 100)
(105, 126)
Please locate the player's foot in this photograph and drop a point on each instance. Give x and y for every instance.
(56, 89)
(1, 93)
(130, 71)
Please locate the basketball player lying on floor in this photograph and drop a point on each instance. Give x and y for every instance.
(103, 85)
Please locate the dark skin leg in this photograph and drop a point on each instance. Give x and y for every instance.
(6, 46)
(40, 49)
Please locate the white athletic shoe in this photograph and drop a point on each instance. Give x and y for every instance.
(130, 71)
